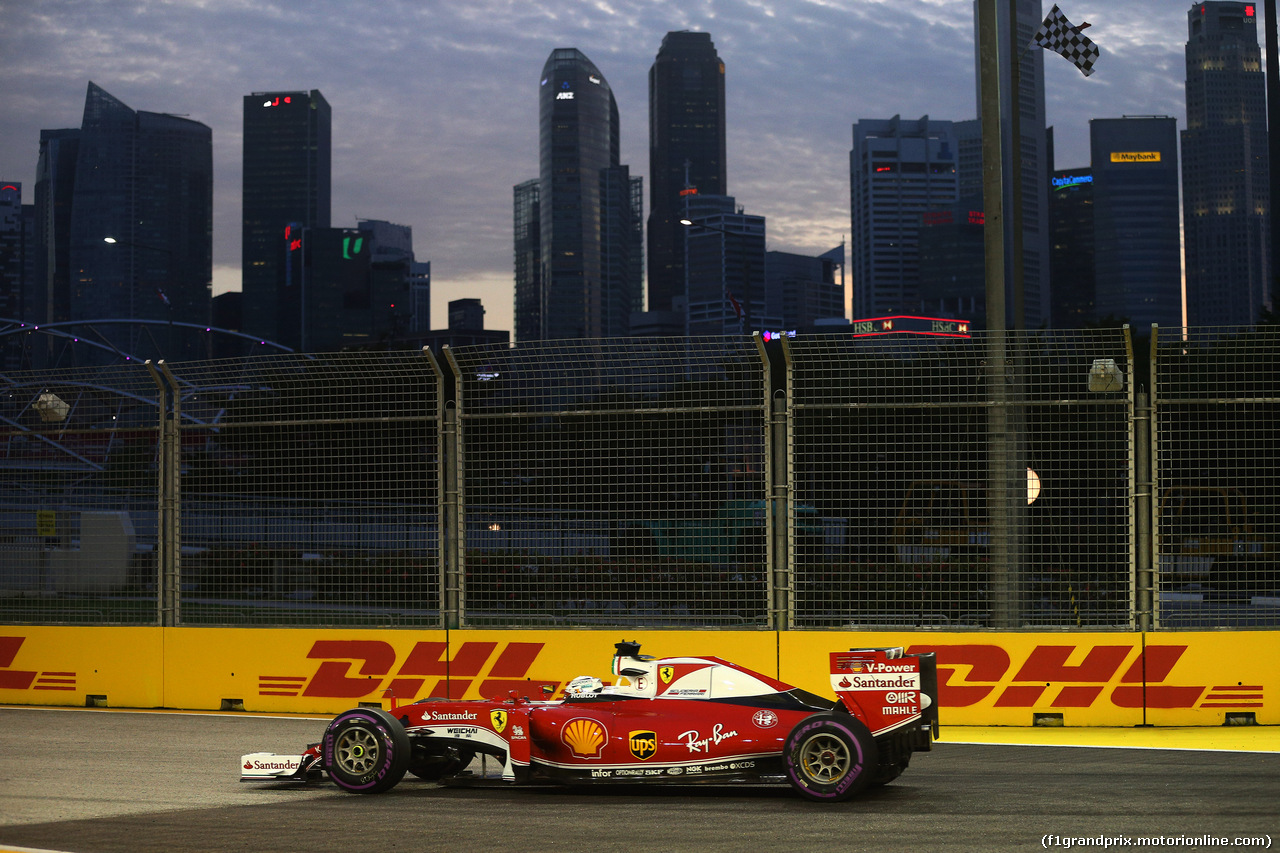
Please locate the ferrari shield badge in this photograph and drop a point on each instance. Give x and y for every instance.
(499, 719)
(666, 673)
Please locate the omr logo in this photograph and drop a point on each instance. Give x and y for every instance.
(376, 672)
(1130, 675)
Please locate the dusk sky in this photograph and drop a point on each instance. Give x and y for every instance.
(435, 110)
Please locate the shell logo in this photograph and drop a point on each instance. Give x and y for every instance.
(584, 737)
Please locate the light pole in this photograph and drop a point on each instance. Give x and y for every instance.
(743, 311)
(159, 290)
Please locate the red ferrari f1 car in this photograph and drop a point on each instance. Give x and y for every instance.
(672, 720)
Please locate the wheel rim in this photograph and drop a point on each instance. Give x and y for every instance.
(356, 751)
(825, 758)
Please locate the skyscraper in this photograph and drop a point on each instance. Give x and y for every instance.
(145, 180)
(50, 298)
(286, 181)
(686, 150)
(1225, 169)
(807, 286)
(12, 250)
(528, 260)
(726, 271)
(1071, 257)
(953, 262)
(591, 236)
(897, 171)
(1137, 267)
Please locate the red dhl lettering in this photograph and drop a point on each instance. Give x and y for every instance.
(970, 674)
(375, 671)
(25, 679)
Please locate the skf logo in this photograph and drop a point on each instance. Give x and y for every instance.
(584, 737)
(643, 744)
(499, 720)
(666, 673)
(1127, 676)
(17, 679)
(352, 669)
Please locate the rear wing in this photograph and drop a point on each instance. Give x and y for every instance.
(887, 689)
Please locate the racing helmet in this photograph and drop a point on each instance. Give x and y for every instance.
(584, 685)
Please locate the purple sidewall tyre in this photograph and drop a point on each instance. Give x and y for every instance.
(365, 751)
(830, 757)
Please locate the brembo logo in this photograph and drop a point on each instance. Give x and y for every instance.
(1127, 676)
(351, 669)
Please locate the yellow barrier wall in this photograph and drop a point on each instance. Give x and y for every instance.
(63, 666)
(1093, 679)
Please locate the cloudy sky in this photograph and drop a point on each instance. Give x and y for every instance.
(435, 113)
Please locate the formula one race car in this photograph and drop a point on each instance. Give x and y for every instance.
(672, 720)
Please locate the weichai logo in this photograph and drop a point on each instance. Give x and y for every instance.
(1050, 676)
(24, 679)
(353, 669)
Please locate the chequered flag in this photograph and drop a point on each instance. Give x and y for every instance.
(1059, 35)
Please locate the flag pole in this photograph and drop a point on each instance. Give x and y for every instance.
(1002, 588)
(992, 161)
(1273, 144)
(1016, 52)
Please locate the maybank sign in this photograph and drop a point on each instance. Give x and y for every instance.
(1135, 156)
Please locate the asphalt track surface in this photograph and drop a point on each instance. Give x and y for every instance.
(94, 781)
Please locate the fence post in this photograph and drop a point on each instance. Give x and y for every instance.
(1146, 528)
(453, 543)
(782, 569)
(168, 508)
(1143, 573)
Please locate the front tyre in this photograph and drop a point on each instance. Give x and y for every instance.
(365, 751)
(830, 757)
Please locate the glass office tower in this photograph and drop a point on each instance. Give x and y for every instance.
(591, 239)
(287, 157)
(145, 180)
(686, 151)
(1137, 262)
(1225, 169)
(898, 169)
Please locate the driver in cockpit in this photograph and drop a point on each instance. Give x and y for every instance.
(636, 676)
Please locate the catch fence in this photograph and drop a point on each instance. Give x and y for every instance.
(1006, 481)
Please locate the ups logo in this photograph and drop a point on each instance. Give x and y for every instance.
(643, 744)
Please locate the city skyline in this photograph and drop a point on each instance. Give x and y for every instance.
(435, 117)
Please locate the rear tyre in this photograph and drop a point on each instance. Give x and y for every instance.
(830, 757)
(365, 751)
